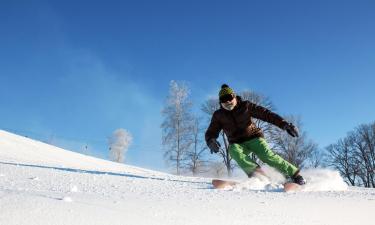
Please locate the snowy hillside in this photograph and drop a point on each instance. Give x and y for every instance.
(41, 184)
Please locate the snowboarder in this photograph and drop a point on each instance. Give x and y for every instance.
(234, 117)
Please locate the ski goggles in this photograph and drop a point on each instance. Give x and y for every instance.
(226, 98)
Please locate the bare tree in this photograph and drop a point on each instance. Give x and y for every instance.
(365, 152)
(317, 159)
(196, 162)
(119, 143)
(297, 151)
(340, 158)
(354, 156)
(177, 124)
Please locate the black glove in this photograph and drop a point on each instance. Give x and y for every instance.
(291, 129)
(213, 145)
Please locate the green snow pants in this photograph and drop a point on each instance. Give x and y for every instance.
(241, 154)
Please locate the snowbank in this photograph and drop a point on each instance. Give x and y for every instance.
(42, 185)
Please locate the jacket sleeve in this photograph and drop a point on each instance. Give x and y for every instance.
(266, 115)
(213, 129)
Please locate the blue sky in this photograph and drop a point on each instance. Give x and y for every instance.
(74, 71)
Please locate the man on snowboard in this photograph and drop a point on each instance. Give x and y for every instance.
(234, 117)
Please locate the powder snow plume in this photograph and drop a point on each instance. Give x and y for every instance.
(317, 180)
(324, 180)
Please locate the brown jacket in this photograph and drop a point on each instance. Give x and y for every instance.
(238, 125)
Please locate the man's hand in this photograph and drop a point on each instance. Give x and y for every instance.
(214, 145)
(291, 129)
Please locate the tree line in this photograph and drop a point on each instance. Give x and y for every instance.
(186, 150)
(354, 156)
(185, 147)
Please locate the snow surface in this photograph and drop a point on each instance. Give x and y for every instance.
(41, 184)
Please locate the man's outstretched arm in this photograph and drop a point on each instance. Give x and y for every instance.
(267, 115)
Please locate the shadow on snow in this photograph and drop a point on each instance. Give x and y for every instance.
(101, 173)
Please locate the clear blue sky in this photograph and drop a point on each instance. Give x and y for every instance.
(74, 71)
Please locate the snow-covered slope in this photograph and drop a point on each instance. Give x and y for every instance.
(21, 150)
(41, 184)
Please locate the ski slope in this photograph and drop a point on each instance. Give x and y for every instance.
(44, 185)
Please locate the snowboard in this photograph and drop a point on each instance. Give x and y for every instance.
(291, 187)
(222, 184)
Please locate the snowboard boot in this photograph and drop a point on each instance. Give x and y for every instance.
(298, 179)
